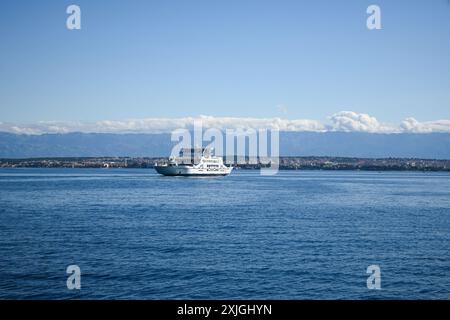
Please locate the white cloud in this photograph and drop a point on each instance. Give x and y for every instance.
(350, 121)
(160, 125)
(347, 121)
(412, 125)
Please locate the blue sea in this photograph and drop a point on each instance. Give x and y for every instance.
(296, 235)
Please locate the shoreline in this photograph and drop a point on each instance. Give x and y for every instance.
(285, 163)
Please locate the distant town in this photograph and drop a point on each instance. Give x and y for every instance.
(286, 163)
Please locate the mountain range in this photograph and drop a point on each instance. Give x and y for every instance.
(337, 144)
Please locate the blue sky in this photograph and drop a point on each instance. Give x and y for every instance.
(234, 58)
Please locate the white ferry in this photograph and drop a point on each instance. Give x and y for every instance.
(194, 162)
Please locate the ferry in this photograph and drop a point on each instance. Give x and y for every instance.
(194, 162)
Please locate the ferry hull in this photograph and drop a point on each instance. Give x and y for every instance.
(190, 171)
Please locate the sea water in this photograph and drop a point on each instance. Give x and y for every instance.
(296, 235)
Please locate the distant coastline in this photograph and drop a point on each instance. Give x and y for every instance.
(286, 163)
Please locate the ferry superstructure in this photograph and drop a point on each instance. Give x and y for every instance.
(194, 162)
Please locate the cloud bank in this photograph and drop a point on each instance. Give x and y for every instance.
(344, 121)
